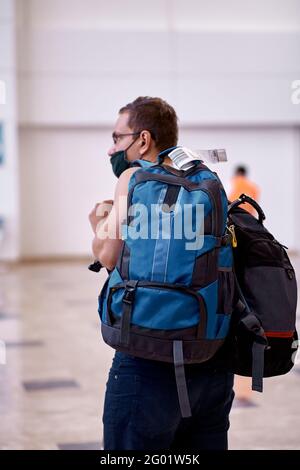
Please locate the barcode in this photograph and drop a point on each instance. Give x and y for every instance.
(183, 157)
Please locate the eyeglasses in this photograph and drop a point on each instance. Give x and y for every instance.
(116, 137)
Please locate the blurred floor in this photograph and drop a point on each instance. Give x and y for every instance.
(52, 385)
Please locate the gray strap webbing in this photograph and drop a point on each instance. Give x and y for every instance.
(253, 325)
(258, 355)
(125, 324)
(183, 396)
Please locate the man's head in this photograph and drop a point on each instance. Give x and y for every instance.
(241, 171)
(144, 128)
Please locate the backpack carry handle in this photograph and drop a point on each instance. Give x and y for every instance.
(244, 198)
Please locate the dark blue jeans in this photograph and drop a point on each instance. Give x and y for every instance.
(141, 409)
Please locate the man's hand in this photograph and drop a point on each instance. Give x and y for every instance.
(99, 214)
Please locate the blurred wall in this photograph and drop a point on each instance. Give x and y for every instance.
(227, 67)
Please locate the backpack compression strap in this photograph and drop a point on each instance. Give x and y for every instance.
(260, 343)
(180, 380)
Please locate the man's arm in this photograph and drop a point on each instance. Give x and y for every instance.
(107, 242)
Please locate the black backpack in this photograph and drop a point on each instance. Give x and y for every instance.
(263, 322)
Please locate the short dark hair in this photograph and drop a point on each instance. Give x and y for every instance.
(241, 170)
(156, 116)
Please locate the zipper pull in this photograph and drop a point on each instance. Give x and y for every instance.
(233, 237)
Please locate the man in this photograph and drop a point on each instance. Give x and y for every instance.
(141, 410)
(132, 136)
(240, 184)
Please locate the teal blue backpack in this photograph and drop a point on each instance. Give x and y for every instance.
(170, 297)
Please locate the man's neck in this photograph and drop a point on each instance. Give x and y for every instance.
(168, 161)
(153, 159)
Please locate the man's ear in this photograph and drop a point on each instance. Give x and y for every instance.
(146, 141)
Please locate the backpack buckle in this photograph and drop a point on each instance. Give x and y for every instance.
(129, 293)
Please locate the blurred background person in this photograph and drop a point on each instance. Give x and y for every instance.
(240, 184)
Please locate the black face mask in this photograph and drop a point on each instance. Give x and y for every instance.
(119, 160)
